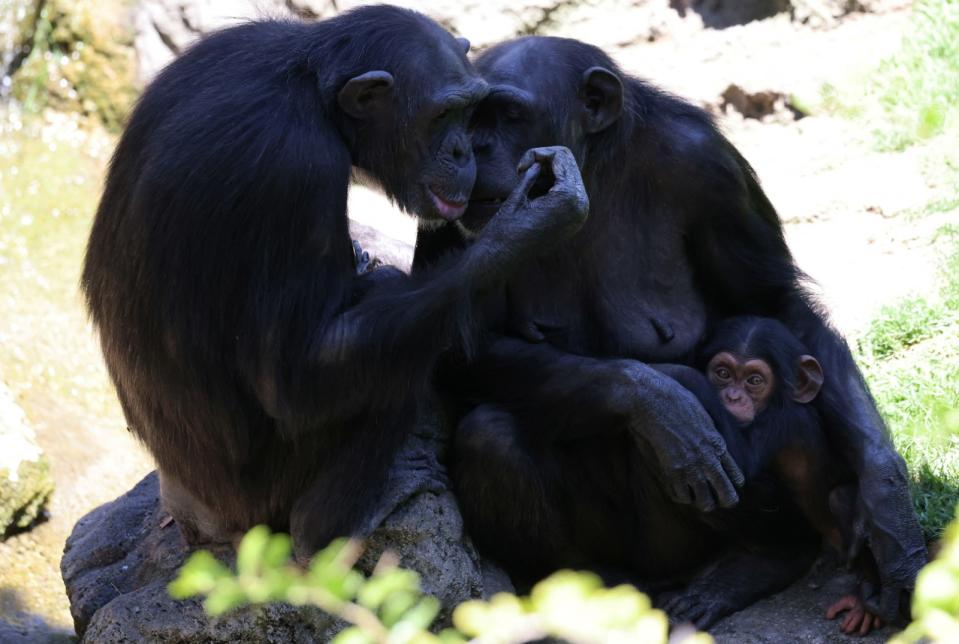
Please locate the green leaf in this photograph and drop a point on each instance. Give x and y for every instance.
(249, 555)
(278, 551)
(421, 616)
(378, 588)
(199, 575)
(451, 636)
(225, 597)
(352, 635)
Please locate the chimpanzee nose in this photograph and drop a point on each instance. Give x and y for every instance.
(462, 153)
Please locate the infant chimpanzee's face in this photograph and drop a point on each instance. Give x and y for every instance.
(744, 384)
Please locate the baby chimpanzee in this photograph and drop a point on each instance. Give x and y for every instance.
(765, 378)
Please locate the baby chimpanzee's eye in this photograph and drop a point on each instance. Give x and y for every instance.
(723, 373)
(756, 380)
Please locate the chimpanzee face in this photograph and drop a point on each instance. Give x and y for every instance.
(535, 99)
(745, 385)
(414, 138)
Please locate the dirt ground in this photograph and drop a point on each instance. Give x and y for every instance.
(845, 207)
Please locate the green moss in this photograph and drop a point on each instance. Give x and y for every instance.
(82, 60)
(910, 357)
(23, 498)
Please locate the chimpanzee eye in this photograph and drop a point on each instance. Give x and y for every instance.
(723, 373)
(756, 380)
(512, 112)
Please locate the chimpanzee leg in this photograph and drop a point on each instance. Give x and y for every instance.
(736, 580)
(508, 493)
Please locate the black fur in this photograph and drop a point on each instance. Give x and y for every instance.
(271, 383)
(680, 237)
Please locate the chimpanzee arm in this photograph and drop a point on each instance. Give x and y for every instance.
(737, 246)
(399, 324)
(565, 397)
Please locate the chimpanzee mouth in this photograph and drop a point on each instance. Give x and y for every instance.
(446, 208)
(488, 202)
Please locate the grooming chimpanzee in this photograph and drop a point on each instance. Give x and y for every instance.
(757, 383)
(271, 382)
(570, 449)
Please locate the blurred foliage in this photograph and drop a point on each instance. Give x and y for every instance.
(918, 88)
(389, 607)
(81, 60)
(913, 95)
(910, 357)
(935, 604)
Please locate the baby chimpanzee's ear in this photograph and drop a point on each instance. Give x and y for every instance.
(809, 379)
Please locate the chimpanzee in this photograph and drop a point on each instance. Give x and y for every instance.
(271, 382)
(757, 381)
(570, 449)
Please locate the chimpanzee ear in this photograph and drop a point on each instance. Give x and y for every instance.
(364, 95)
(465, 44)
(809, 380)
(602, 96)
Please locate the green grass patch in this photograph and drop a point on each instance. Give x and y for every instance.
(913, 95)
(910, 356)
(918, 88)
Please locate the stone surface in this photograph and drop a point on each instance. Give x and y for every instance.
(121, 556)
(796, 615)
(25, 482)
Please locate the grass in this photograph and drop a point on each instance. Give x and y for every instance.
(913, 95)
(917, 89)
(910, 357)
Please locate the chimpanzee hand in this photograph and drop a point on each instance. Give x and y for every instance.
(694, 465)
(522, 224)
(887, 524)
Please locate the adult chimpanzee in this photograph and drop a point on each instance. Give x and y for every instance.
(681, 235)
(271, 383)
(757, 383)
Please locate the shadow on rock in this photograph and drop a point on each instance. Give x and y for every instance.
(121, 556)
(19, 626)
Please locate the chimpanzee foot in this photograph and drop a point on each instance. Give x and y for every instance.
(858, 620)
(414, 472)
(699, 605)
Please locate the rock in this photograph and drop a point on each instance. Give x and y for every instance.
(796, 615)
(25, 482)
(82, 60)
(121, 556)
(165, 27)
(760, 105)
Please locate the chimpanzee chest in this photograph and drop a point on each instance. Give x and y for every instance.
(624, 297)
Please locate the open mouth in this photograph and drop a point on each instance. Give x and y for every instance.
(448, 210)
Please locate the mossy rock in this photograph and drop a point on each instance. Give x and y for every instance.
(23, 497)
(82, 60)
(25, 481)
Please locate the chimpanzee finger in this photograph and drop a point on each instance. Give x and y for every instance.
(852, 621)
(561, 162)
(845, 602)
(521, 191)
(535, 155)
(732, 469)
(682, 493)
(722, 481)
(702, 496)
